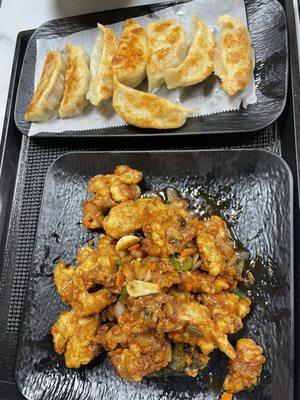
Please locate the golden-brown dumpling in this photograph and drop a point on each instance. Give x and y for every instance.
(145, 110)
(167, 49)
(76, 83)
(47, 97)
(101, 79)
(199, 62)
(234, 55)
(130, 59)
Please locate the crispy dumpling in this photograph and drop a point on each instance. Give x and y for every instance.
(199, 62)
(101, 79)
(76, 82)
(146, 110)
(167, 49)
(47, 97)
(234, 55)
(130, 59)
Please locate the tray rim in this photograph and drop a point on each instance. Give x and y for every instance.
(150, 132)
(181, 151)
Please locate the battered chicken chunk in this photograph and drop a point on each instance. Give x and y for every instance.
(227, 310)
(96, 266)
(186, 312)
(110, 190)
(73, 336)
(198, 282)
(160, 271)
(216, 247)
(168, 228)
(145, 354)
(83, 302)
(245, 368)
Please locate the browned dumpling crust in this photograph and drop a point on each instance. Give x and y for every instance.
(146, 110)
(234, 55)
(199, 62)
(167, 49)
(101, 81)
(76, 83)
(47, 97)
(130, 59)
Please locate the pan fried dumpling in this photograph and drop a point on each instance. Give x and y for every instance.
(199, 62)
(167, 49)
(76, 83)
(234, 55)
(130, 59)
(101, 80)
(47, 97)
(146, 110)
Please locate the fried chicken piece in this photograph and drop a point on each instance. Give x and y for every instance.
(168, 228)
(185, 311)
(110, 190)
(145, 354)
(198, 282)
(128, 217)
(160, 272)
(215, 247)
(73, 336)
(96, 266)
(129, 324)
(83, 302)
(227, 310)
(245, 368)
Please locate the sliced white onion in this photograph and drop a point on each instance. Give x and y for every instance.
(148, 276)
(140, 288)
(196, 257)
(154, 259)
(119, 308)
(196, 266)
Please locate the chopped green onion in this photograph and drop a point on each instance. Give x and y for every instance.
(194, 330)
(196, 363)
(238, 292)
(124, 294)
(175, 262)
(120, 262)
(178, 358)
(186, 265)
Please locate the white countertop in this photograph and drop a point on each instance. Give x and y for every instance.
(20, 15)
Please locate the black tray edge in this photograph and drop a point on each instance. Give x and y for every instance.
(151, 132)
(291, 211)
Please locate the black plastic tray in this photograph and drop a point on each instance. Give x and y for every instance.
(23, 166)
(252, 189)
(271, 73)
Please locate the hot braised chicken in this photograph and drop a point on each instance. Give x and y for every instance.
(159, 290)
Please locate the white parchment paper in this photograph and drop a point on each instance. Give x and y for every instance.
(206, 97)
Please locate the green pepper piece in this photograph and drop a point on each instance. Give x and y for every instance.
(194, 330)
(174, 261)
(238, 292)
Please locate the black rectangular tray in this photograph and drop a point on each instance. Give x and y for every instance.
(252, 190)
(271, 73)
(23, 167)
